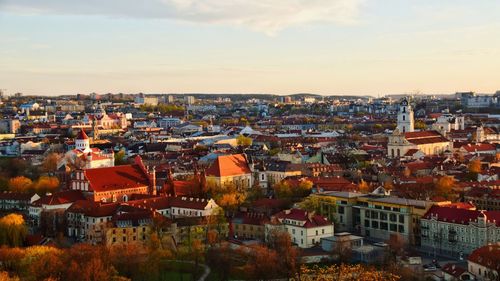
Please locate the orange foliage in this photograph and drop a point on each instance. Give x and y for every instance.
(20, 184)
(345, 272)
(475, 166)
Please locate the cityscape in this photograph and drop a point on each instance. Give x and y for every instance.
(218, 140)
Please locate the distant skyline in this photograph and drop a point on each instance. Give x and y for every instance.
(329, 47)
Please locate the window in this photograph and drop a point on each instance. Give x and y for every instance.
(401, 218)
(392, 217)
(367, 223)
(341, 209)
(301, 241)
(401, 228)
(323, 231)
(383, 225)
(316, 233)
(404, 117)
(374, 215)
(124, 238)
(383, 216)
(367, 213)
(313, 241)
(374, 224)
(393, 227)
(293, 231)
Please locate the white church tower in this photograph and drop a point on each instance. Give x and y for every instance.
(82, 142)
(405, 117)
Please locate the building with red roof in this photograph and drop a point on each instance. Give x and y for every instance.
(484, 262)
(479, 149)
(305, 228)
(111, 184)
(428, 142)
(455, 231)
(230, 170)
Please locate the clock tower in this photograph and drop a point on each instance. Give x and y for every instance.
(405, 117)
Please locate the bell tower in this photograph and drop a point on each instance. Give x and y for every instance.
(405, 121)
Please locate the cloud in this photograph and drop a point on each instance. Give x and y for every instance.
(269, 16)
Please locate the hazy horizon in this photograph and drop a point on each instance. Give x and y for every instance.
(279, 47)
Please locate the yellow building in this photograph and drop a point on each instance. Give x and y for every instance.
(230, 170)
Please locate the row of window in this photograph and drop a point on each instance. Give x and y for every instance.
(385, 226)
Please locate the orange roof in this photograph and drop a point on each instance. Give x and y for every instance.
(119, 177)
(229, 165)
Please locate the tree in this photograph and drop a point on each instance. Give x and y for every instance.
(420, 125)
(345, 272)
(120, 158)
(4, 276)
(444, 185)
(46, 184)
(289, 262)
(262, 264)
(49, 164)
(12, 230)
(20, 184)
(282, 190)
(241, 140)
(475, 166)
(363, 187)
(311, 204)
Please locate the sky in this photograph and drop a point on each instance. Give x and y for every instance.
(328, 47)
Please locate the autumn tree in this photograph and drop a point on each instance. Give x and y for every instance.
(363, 187)
(20, 184)
(289, 262)
(241, 140)
(475, 166)
(4, 276)
(49, 164)
(46, 184)
(444, 186)
(311, 204)
(13, 230)
(221, 260)
(345, 272)
(262, 264)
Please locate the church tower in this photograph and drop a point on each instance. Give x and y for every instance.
(82, 142)
(405, 117)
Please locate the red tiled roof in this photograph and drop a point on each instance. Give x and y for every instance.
(460, 216)
(229, 165)
(424, 137)
(94, 209)
(119, 177)
(487, 256)
(453, 270)
(479, 147)
(81, 135)
(311, 220)
(156, 203)
(60, 198)
(250, 218)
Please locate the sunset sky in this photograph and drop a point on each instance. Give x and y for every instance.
(373, 47)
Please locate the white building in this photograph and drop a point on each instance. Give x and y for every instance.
(305, 228)
(456, 232)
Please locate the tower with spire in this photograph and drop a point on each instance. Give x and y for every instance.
(82, 142)
(405, 122)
